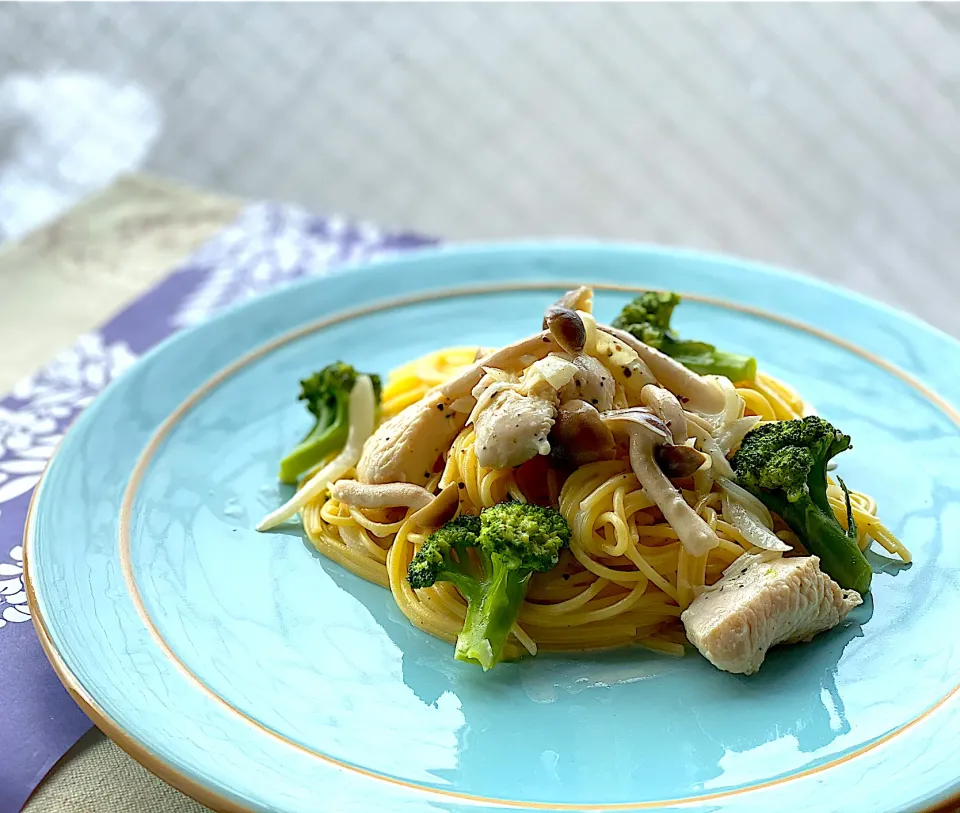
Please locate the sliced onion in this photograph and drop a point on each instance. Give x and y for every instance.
(741, 564)
(362, 408)
(734, 434)
(745, 498)
(556, 371)
(708, 445)
(721, 466)
(733, 404)
(500, 375)
(750, 524)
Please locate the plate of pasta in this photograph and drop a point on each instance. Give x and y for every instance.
(536, 527)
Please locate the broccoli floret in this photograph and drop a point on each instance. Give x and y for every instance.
(327, 395)
(784, 463)
(509, 542)
(434, 562)
(648, 318)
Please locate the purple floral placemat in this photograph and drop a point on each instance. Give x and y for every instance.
(267, 246)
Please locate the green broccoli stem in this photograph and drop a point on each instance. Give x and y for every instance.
(705, 359)
(824, 537)
(327, 435)
(492, 609)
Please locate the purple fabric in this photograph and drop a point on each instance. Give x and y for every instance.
(267, 246)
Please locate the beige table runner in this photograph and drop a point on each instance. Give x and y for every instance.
(56, 284)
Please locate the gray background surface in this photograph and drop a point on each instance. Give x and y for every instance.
(823, 137)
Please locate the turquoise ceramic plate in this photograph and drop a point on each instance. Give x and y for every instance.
(256, 675)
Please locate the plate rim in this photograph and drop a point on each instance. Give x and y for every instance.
(727, 263)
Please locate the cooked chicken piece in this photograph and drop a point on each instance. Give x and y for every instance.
(512, 429)
(381, 495)
(404, 449)
(592, 383)
(760, 603)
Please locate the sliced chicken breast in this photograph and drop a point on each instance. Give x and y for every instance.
(758, 604)
(593, 383)
(405, 448)
(512, 429)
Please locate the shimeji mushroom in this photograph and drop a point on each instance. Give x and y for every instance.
(647, 433)
(699, 394)
(381, 495)
(666, 406)
(429, 510)
(566, 327)
(579, 435)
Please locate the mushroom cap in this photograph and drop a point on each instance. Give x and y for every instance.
(580, 436)
(566, 327)
(638, 418)
(678, 460)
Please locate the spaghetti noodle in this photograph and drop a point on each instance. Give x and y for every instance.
(626, 578)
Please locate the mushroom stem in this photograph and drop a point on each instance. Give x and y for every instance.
(699, 393)
(440, 509)
(665, 404)
(381, 495)
(695, 535)
(647, 432)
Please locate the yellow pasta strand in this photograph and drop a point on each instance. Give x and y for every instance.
(625, 579)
